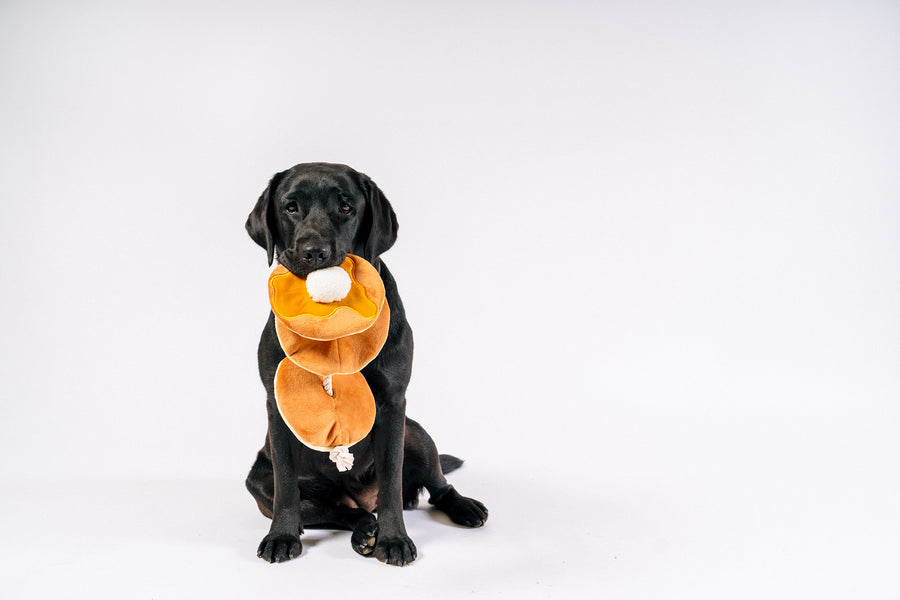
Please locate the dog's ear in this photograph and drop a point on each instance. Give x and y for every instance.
(261, 222)
(378, 231)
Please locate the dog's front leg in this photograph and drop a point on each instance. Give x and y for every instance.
(393, 546)
(283, 540)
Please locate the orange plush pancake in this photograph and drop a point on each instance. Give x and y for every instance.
(357, 312)
(321, 395)
(320, 421)
(346, 354)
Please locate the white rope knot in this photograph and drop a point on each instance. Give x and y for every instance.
(341, 457)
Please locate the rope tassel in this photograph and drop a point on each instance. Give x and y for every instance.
(341, 457)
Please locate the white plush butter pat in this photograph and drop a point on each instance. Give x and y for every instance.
(328, 285)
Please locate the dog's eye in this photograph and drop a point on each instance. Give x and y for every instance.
(345, 208)
(291, 207)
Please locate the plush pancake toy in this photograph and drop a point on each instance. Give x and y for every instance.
(330, 325)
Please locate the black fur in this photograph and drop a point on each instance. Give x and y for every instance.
(310, 217)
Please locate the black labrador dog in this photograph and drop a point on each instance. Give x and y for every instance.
(311, 216)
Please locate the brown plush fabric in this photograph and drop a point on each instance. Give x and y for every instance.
(298, 312)
(347, 354)
(322, 339)
(321, 421)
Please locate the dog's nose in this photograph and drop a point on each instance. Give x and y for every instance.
(315, 256)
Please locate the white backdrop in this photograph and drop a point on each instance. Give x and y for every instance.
(649, 252)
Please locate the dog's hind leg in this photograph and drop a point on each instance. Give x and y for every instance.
(314, 513)
(320, 515)
(324, 514)
(422, 467)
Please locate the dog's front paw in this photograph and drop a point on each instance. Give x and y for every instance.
(279, 547)
(396, 550)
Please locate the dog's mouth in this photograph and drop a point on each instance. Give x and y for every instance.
(302, 264)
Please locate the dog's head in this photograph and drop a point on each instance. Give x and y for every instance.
(314, 214)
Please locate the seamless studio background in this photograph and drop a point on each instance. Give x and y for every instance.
(649, 252)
